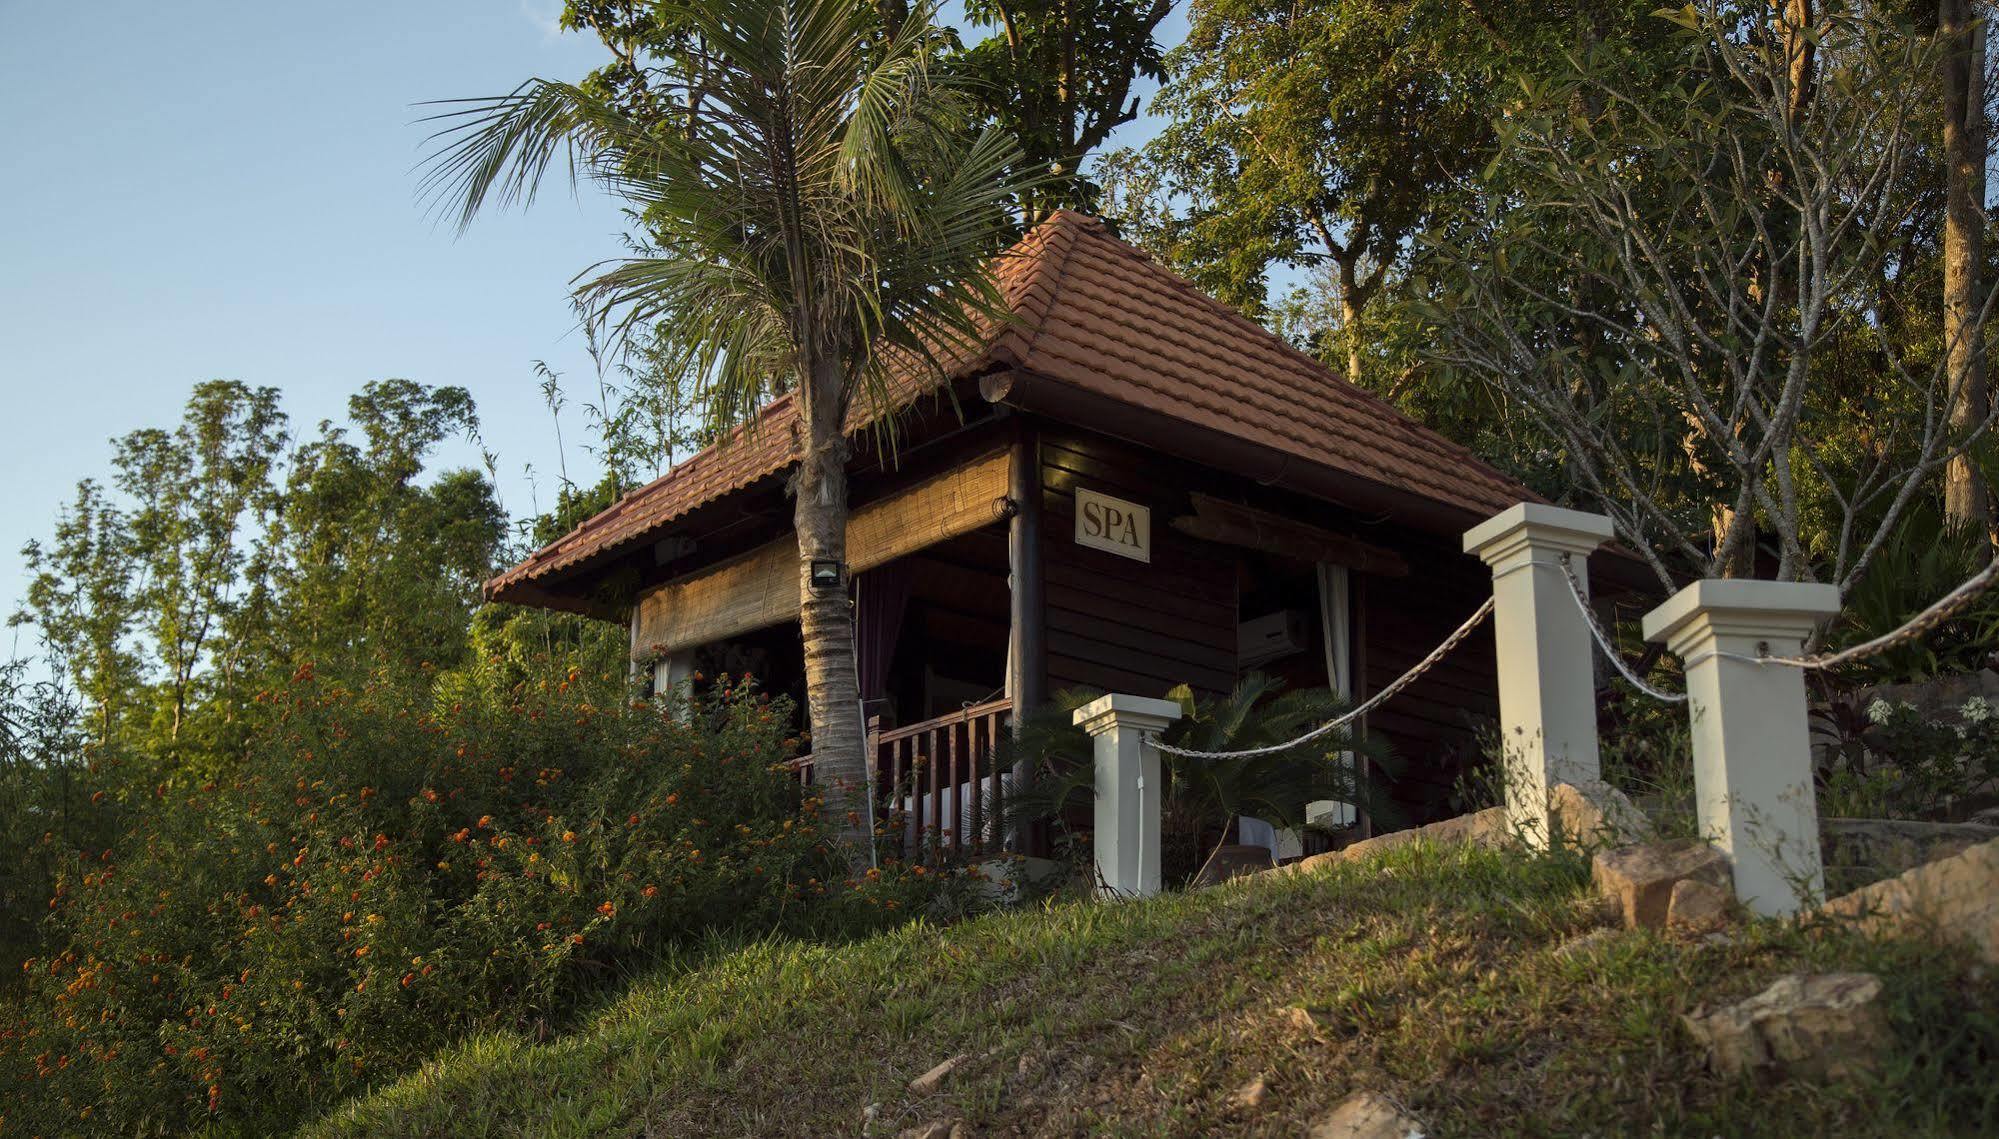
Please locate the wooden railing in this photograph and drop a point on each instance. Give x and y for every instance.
(936, 786)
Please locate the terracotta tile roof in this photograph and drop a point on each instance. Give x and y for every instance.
(1098, 316)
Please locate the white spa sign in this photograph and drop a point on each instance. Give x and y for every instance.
(1113, 525)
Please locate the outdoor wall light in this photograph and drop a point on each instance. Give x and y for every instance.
(827, 574)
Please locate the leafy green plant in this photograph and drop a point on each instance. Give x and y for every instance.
(1203, 796)
(1926, 558)
(388, 870)
(1905, 764)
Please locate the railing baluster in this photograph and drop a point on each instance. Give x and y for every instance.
(957, 805)
(974, 810)
(931, 766)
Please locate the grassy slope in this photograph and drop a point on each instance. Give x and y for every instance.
(1429, 974)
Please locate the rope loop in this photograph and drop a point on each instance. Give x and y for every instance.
(1366, 706)
(1603, 642)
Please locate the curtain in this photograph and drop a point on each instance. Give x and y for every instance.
(1336, 619)
(881, 598)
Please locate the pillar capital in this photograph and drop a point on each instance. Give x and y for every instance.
(1722, 613)
(1535, 531)
(1134, 713)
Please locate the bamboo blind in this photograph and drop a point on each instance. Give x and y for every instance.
(760, 588)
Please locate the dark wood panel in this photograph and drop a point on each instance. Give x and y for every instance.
(1214, 675)
(1067, 672)
(1216, 617)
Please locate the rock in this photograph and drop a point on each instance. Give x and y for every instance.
(1892, 846)
(1953, 898)
(1697, 907)
(1367, 1115)
(1298, 1019)
(1481, 828)
(1250, 1096)
(936, 1129)
(1584, 944)
(1816, 1025)
(933, 1079)
(1592, 813)
(1640, 878)
(1233, 862)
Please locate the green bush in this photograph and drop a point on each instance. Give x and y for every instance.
(1901, 763)
(383, 874)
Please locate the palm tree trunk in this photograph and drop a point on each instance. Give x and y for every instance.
(826, 625)
(1965, 498)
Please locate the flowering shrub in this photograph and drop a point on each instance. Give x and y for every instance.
(1913, 766)
(383, 874)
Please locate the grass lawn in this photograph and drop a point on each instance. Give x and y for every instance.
(1437, 975)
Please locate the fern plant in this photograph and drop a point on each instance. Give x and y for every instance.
(1203, 796)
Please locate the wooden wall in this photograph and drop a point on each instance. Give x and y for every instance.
(1432, 726)
(1115, 624)
(1119, 625)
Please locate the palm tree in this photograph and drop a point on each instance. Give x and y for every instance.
(816, 207)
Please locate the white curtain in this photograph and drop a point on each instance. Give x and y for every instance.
(1336, 620)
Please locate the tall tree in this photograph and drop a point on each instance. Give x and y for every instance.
(814, 208)
(1740, 243)
(1058, 74)
(1962, 73)
(1324, 134)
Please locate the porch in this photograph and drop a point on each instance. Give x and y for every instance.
(935, 782)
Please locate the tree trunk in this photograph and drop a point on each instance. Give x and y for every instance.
(1965, 497)
(1351, 302)
(826, 621)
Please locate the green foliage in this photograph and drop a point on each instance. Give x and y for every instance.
(221, 557)
(46, 808)
(1694, 269)
(1925, 558)
(1057, 77)
(1202, 795)
(1324, 136)
(384, 872)
(791, 242)
(1903, 763)
(1474, 986)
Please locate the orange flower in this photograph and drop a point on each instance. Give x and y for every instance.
(607, 909)
(569, 836)
(650, 891)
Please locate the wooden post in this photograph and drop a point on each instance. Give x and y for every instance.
(1028, 660)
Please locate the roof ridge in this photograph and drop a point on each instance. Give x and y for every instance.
(1049, 267)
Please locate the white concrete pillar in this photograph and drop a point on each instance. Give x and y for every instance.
(1547, 682)
(1752, 742)
(1128, 790)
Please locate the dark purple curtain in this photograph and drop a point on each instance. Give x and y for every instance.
(881, 597)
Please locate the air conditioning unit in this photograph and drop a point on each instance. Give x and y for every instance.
(1271, 637)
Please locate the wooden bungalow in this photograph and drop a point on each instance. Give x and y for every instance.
(1129, 487)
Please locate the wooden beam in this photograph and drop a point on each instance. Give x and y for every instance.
(760, 588)
(1233, 524)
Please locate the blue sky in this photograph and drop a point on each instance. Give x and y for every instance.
(198, 190)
